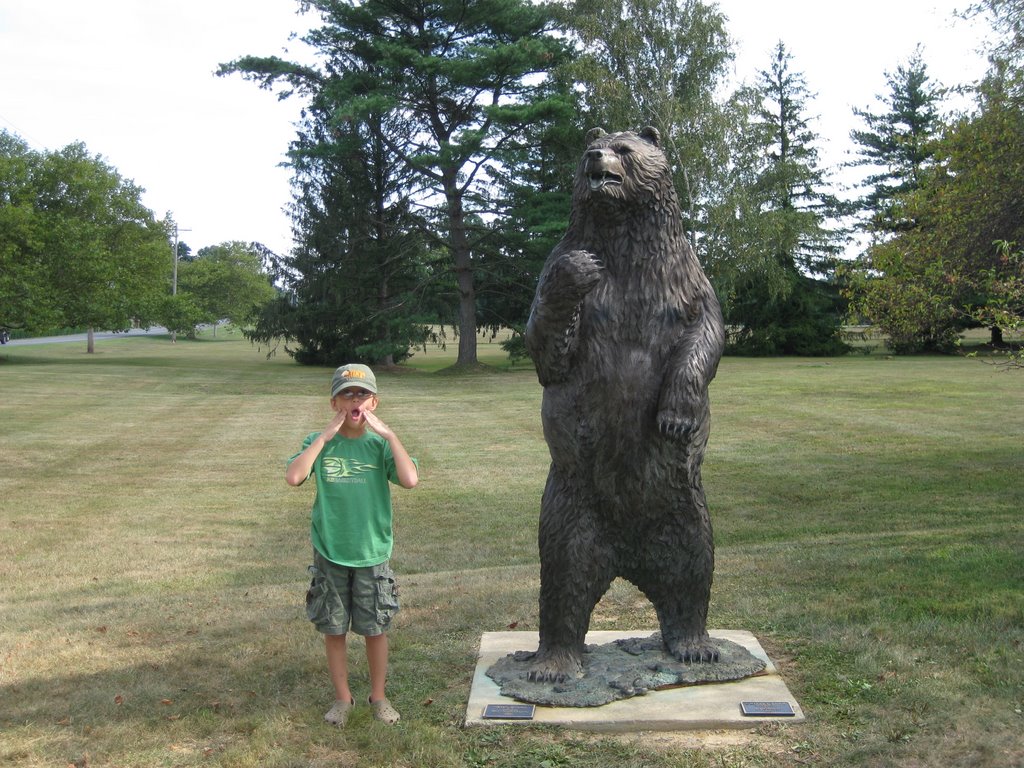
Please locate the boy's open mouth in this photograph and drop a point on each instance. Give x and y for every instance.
(356, 413)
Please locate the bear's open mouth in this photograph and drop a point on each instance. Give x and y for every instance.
(600, 179)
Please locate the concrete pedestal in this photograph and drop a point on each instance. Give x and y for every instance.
(696, 707)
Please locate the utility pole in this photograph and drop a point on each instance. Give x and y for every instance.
(174, 276)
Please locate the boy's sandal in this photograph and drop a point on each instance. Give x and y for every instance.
(338, 714)
(383, 711)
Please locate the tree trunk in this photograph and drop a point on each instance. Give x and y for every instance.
(383, 290)
(467, 312)
(463, 274)
(997, 336)
(90, 344)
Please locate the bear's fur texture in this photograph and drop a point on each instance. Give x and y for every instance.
(626, 334)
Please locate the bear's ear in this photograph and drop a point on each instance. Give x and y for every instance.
(651, 134)
(594, 134)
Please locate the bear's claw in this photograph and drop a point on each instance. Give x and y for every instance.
(696, 653)
(675, 427)
(574, 274)
(550, 667)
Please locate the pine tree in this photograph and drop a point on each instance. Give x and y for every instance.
(355, 282)
(959, 264)
(461, 77)
(899, 144)
(777, 296)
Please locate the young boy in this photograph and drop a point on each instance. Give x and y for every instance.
(352, 460)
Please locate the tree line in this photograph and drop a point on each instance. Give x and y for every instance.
(432, 173)
(78, 249)
(945, 208)
(433, 169)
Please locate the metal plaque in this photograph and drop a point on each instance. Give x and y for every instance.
(509, 711)
(767, 709)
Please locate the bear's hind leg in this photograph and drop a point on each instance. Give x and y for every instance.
(677, 580)
(575, 571)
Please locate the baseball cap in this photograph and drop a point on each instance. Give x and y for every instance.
(353, 375)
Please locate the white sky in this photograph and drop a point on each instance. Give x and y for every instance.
(844, 49)
(133, 80)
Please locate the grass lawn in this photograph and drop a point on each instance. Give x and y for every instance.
(868, 526)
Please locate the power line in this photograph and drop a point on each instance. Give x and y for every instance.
(22, 133)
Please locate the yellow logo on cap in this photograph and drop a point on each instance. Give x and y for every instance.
(353, 374)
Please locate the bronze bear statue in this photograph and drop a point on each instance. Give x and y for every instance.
(626, 334)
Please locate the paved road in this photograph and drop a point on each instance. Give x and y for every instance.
(154, 331)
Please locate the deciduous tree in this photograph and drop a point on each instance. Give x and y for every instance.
(82, 250)
(25, 299)
(227, 282)
(659, 63)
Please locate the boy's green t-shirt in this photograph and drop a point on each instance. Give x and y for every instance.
(351, 519)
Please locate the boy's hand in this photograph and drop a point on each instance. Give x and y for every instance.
(334, 427)
(408, 475)
(377, 425)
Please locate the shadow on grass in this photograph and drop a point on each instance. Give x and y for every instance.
(238, 669)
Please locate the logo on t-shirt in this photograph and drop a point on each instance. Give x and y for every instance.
(339, 469)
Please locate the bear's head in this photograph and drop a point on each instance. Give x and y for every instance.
(622, 170)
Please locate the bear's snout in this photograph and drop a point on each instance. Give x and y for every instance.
(603, 168)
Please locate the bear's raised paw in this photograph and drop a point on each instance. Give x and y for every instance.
(573, 275)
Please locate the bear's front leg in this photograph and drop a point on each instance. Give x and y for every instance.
(566, 280)
(683, 405)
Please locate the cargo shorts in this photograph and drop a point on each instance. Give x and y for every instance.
(339, 597)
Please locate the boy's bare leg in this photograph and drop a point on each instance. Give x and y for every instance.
(377, 660)
(337, 665)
